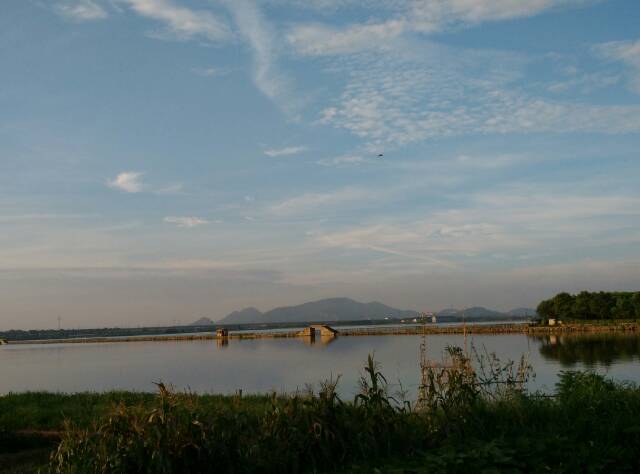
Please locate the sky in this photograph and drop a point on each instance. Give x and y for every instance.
(166, 160)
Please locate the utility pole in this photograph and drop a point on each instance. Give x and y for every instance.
(59, 320)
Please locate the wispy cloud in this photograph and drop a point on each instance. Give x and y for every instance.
(500, 160)
(171, 189)
(585, 83)
(417, 16)
(286, 151)
(209, 71)
(182, 22)
(435, 15)
(315, 201)
(344, 160)
(127, 181)
(82, 10)
(317, 39)
(506, 225)
(187, 221)
(628, 52)
(259, 35)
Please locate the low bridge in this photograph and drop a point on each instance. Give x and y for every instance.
(325, 331)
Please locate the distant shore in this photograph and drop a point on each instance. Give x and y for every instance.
(506, 328)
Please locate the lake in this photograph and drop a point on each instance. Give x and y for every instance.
(284, 365)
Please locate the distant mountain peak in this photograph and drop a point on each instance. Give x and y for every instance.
(328, 309)
(342, 308)
(203, 322)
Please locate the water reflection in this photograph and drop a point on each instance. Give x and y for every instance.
(322, 340)
(590, 350)
(289, 364)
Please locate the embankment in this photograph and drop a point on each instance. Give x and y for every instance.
(571, 328)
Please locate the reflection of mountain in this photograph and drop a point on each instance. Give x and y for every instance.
(603, 349)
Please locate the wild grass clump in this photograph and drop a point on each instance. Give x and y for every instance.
(174, 435)
(305, 432)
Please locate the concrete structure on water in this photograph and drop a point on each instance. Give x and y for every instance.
(325, 331)
(3, 342)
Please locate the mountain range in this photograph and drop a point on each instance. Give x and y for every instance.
(346, 309)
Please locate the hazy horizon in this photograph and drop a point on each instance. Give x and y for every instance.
(167, 160)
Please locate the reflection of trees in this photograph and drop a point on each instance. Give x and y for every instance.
(604, 349)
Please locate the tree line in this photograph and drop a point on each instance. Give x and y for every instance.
(588, 305)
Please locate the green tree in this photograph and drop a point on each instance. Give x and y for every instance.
(624, 306)
(582, 307)
(586, 305)
(546, 309)
(636, 304)
(563, 305)
(601, 305)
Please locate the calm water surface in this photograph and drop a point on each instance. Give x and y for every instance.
(263, 365)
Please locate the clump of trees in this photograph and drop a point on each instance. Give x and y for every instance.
(587, 305)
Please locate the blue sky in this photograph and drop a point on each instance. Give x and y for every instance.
(164, 160)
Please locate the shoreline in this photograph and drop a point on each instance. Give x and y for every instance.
(522, 328)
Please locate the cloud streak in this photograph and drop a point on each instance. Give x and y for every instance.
(82, 10)
(414, 16)
(309, 202)
(286, 151)
(186, 221)
(181, 22)
(260, 37)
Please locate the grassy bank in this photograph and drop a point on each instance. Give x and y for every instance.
(466, 421)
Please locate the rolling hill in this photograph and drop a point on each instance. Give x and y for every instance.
(346, 309)
(331, 309)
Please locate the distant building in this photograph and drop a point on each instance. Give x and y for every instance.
(428, 316)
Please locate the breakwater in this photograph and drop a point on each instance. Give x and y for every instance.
(574, 328)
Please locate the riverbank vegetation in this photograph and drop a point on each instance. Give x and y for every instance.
(468, 417)
(591, 306)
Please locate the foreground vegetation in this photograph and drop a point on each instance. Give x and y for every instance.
(466, 420)
(591, 306)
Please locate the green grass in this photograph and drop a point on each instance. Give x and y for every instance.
(30, 422)
(45, 411)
